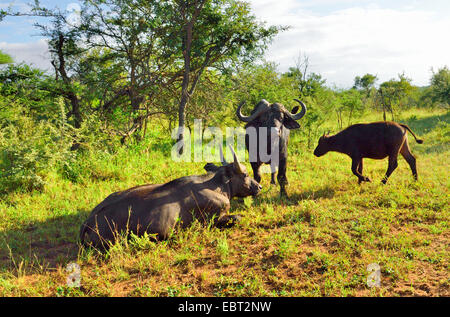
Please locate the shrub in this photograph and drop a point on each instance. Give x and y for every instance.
(28, 148)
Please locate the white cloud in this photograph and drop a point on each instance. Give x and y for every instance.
(357, 40)
(34, 53)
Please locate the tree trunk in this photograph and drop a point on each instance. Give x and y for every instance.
(185, 85)
(187, 43)
(69, 93)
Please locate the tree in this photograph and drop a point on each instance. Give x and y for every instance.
(366, 85)
(392, 93)
(130, 62)
(351, 102)
(65, 51)
(366, 82)
(213, 33)
(31, 88)
(155, 47)
(63, 46)
(308, 83)
(5, 58)
(310, 88)
(440, 86)
(114, 61)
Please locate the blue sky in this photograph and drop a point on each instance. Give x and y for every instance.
(20, 29)
(342, 38)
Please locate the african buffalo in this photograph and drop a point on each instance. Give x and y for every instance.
(277, 119)
(375, 140)
(156, 208)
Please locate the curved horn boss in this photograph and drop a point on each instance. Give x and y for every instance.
(261, 107)
(301, 114)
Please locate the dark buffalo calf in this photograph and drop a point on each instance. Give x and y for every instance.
(372, 140)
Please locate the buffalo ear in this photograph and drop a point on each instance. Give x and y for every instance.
(290, 123)
(222, 173)
(211, 168)
(227, 173)
(295, 110)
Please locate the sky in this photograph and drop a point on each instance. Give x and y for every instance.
(341, 38)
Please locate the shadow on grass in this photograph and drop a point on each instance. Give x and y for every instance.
(436, 148)
(162, 145)
(425, 125)
(325, 192)
(295, 198)
(42, 243)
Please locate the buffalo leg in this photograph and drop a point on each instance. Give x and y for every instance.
(391, 167)
(272, 180)
(360, 169)
(256, 174)
(356, 162)
(406, 153)
(274, 171)
(282, 179)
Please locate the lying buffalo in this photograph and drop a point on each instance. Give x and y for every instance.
(155, 209)
(277, 118)
(372, 140)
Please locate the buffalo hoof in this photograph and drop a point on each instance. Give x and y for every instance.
(384, 181)
(364, 179)
(228, 221)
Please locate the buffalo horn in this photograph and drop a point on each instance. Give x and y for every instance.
(222, 157)
(237, 165)
(263, 106)
(301, 113)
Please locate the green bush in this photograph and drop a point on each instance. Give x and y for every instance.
(28, 148)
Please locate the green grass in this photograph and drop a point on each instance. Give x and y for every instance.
(317, 242)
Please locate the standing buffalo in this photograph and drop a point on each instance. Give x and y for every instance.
(276, 119)
(372, 140)
(155, 209)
